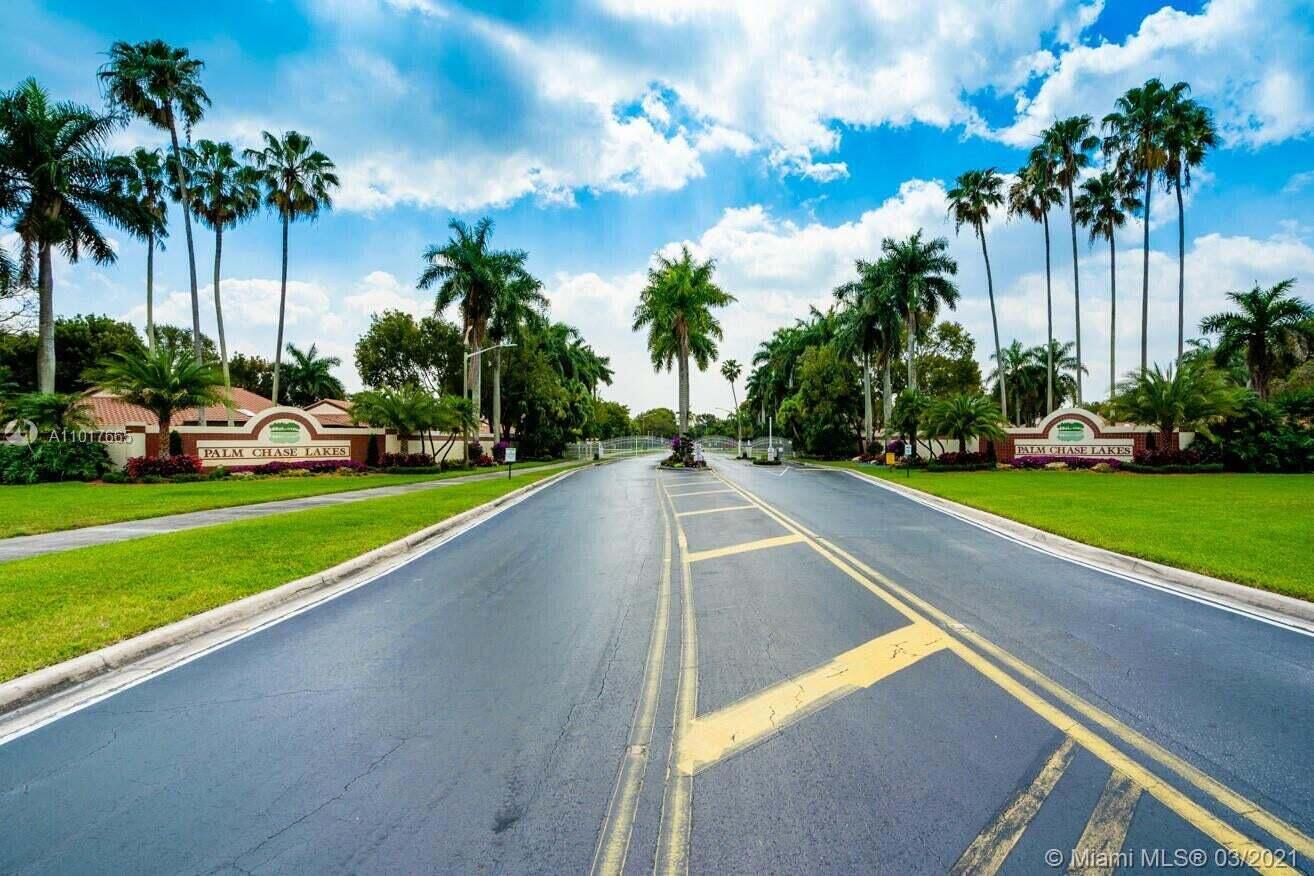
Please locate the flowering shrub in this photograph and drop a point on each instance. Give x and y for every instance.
(314, 466)
(1156, 458)
(474, 451)
(955, 458)
(405, 460)
(1038, 462)
(484, 461)
(163, 466)
(895, 447)
(499, 451)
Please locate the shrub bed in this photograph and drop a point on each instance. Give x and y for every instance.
(936, 465)
(1171, 468)
(405, 460)
(312, 466)
(1077, 462)
(52, 461)
(163, 466)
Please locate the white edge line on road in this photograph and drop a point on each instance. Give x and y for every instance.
(1215, 602)
(237, 637)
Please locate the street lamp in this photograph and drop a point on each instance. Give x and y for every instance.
(465, 379)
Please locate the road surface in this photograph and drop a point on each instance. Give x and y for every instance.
(749, 670)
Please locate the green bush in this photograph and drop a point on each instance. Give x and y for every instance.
(218, 473)
(115, 477)
(189, 478)
(1201, 468)
(52, 461)
(966, 466)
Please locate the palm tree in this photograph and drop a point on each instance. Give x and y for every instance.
(1188, 135)
(910, 413)
(1270, 327)
(1134, 135)
(730, 370)
(1033, 195)
(1102, 206)
(310, 376)
(61, 182)
(224, 192)
(1193, 396)
(52, 411)
(1069, 143)
(676, 309)
(297, 180)
(470, 274)
(161, 85)
(408, 410)
(870, 324)
(147, 183)
(163, 381)
(518, 301)
(918, 274)
(965, 416)
(973, 196)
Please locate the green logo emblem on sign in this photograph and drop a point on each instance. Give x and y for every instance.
(284, 432)
(1071, 431)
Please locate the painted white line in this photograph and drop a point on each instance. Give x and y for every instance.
(1162, 586)
(317, 601)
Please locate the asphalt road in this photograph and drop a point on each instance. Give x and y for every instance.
(815, 675)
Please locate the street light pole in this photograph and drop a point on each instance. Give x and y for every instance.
(465, 386)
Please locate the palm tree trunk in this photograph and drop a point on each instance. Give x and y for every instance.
(282, 309)
(150, 290)
(1049, 325)
(684, 386)
(887, 403)
(219, 321)
(994, 322)
(866, 401)
(45, 320)
(1076, 287)
(1181, 269)
(191, 250)
(497, 397)
(912, 340)
(162, 449)
(1145, 280)
(1113, 315)
(477, 362)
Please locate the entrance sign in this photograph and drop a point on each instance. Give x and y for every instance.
(279, 440)
(1074, 432)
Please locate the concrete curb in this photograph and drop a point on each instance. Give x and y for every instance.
(27, 689)
(1286, 610)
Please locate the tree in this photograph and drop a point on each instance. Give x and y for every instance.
(918, 274)
(163, 381)
(181, 338)
(224, 192)
(1193, 396)
(471, 275)
(1069, 143)
(1026, 370)
(298, 181)
(1134, 135)
(398, 349)
(1271, 328)
(610, 420)
(52, 411)
(870, 324)
(159, 84)
(146, 182)
(408, 410)
(910, 412)
(517, 301)
(824, 408)
(310, 377)
(965, 416)
(1033, 195)
(658, 421)
(676, 309)
(80, 343)
(946, 361)
(730, 370)
(252, 373)
(1102, 206)
(63, 182)
(975, 194)
(1188, 134)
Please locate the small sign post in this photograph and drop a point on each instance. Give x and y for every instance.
(907, 454)
(510, 460)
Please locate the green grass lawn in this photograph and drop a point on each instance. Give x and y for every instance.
(28, 510)
(1256, 529)
(58, 606)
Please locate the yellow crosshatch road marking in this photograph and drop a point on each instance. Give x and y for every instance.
(1107, 828)
(717, 510)
(716, 736)
(1186, 808)
(696, 493)
(744, 547)
(988, 851)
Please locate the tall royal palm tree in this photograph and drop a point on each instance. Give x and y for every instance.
(224, 192)
(871, 324)
(1033, 194)
(161, 85)
(163, 381)
(973, 196)
(62, 182)
(1069, 143)
(730, 370)
(310, 376)
(1188, 135)
(918, 273)
(676, 309)
(1134, 135)
(469, 273)
(1103, 206)
(518, 301)
(147, 182)
(1270, 327)
(298, 181)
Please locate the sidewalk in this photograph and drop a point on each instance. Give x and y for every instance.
(22, 546)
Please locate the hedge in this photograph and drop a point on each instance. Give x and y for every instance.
(1200, 468)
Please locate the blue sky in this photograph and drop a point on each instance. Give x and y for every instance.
(782, 141)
